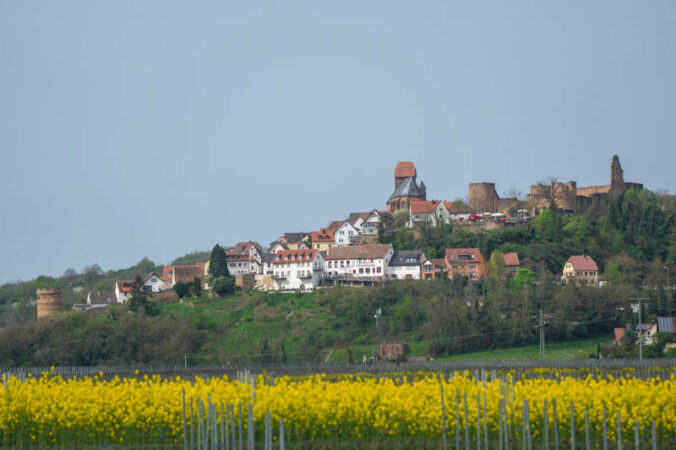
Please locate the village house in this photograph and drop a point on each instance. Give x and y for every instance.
(357, 264)
(297, 270)
(96, 300)
(406, 265)
(289, 241)
(647, 331)
(434, 268)
(183, 273)
(245, 258)
(581, 270)
(123, 290)
(370, 225)
(322, 240)
(154, 283)
(465, 261)
(511, 261)
(346, 233)
(450, 212)
(424, 213)
(357, 218)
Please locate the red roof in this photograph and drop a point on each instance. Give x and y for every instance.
(333, 226)
(511, 259)
(439, 262)
(582, 262)
(125, 285)
(322, 236)
(405, 169)
(619, 333)
(294, 256)
(463, 254)
(424, 206)
(366, 251)
(166, 273)
(457, 209)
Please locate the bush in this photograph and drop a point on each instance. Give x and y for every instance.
(224, 285)
(182, 289)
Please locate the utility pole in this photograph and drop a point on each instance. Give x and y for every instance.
(377, 316)
(640, 328)
(542, 336)
(667, 269)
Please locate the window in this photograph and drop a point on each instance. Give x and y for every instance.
(379, 269)
(368, 270)
(472, 266)
(153, 280)
(330, 264)
(361, 270)
(347, 263)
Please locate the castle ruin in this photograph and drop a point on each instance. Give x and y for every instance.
(571, 198)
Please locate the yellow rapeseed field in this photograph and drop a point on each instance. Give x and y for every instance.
(50, 409)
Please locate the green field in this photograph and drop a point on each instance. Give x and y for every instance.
(555, 351)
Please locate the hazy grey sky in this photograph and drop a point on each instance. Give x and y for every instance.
(153, 128)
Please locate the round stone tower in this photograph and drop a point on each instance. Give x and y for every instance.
(483, 197)
(49, 302)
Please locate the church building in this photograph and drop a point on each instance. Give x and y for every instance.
(406, 188)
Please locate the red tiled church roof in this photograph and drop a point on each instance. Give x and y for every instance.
(405, 169)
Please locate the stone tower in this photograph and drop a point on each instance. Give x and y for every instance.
(49, 302)
(617, 185)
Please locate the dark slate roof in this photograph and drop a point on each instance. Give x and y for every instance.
(294, 237)
(407, 188)
(268, 257)
(666, 324)
(102, 298)
(406, 258)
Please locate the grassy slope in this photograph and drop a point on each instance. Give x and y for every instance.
(236, 324)
(556, 351)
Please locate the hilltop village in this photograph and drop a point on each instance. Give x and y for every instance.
(352, 251)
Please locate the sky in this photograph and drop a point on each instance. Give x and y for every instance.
(150, 129)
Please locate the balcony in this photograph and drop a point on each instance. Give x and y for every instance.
(303, 276)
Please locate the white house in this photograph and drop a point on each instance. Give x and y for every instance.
(245, 258)
(357, 218)
(123, 290)
(346, 233)
(406, 265)
(450, 212)
(424, 213)
(294, 270)
(370, 225)
(154, 283)
(358, 262)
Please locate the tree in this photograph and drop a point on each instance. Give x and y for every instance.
(224, 285)
(91, 274)
(182, 288)
(497, 269)
(218, 264)
(197, 286)
(69, 276)
(381, 232)
(551, 191)
(544, 225)
(139, 298)
(401, 218)
(522, 278)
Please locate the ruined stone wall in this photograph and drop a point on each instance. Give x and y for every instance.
(49, 302)
(483, 197)
(590, 191)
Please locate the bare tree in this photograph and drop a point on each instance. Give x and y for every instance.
(551, 191)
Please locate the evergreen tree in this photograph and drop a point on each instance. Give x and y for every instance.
(197, 286)
(218, 265)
